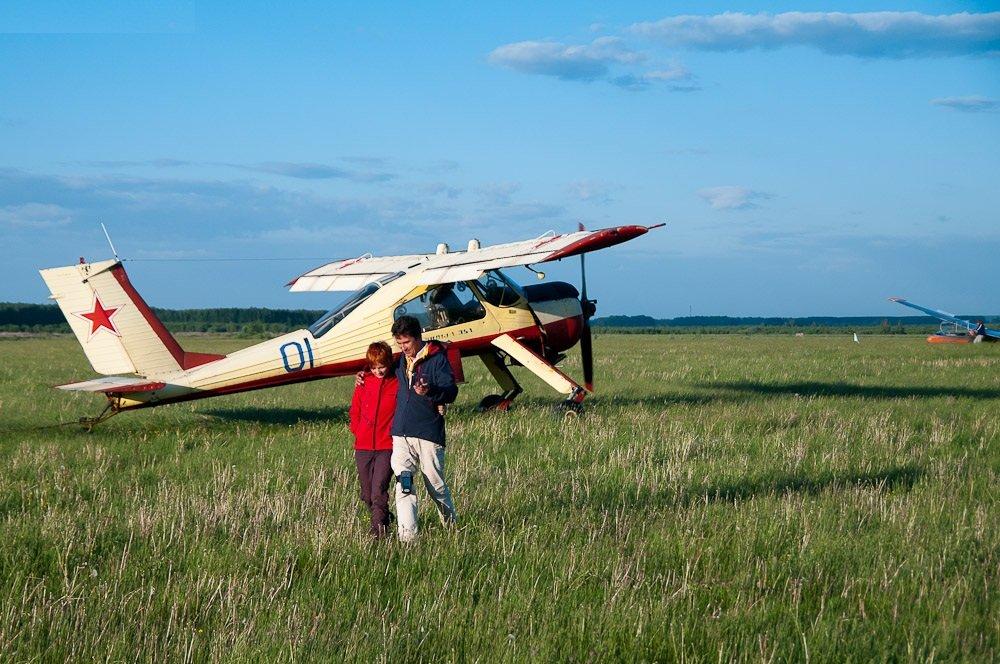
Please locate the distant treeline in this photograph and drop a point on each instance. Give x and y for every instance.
(773, 325)
(17, 317)
(884, 328)
(733, 321)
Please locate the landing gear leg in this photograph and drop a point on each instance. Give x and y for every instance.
(88, 423)
(494, 362)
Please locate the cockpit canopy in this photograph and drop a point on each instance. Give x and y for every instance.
(339, 313)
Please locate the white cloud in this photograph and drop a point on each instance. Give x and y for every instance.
(158, 163)
(674, 73)
(586, 62)
(298, 234)
(730, 197)
(201, 212)
(602, 59)
(869, 34)
(498, 193)
(524, 212)
(499, 204)
(676, 77)
(591, 191)
(35, 215)
(971, 104)
(311, 171)
(291, 169)
(440, 189)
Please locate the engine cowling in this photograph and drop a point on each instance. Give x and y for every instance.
(558, 308)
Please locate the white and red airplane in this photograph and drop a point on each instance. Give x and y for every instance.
(460, 297)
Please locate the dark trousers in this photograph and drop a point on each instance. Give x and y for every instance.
(375, 471)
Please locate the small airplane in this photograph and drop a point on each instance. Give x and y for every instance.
(460, 297)
(961, 331)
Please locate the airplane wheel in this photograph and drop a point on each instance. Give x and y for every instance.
(569, 409)
(493, 402)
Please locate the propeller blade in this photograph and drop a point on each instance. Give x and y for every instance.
(586, 342)
(587, 354)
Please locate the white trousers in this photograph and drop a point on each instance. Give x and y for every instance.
(427, 458)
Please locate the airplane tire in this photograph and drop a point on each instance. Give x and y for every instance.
(493, 402)
(568, 409)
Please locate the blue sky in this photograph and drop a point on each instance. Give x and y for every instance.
(808, 159)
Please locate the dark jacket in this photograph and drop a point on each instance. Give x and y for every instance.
(416, 415)
(372, 409)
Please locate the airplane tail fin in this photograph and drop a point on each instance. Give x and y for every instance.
(117, 329)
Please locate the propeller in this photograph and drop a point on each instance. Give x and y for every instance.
(586, 343)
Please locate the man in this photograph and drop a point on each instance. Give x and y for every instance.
(426, 383)
(979, 334)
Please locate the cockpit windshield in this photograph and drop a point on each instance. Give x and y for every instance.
(337, 314)
(498, 289)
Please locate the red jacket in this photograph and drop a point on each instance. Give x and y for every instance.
(372, 410)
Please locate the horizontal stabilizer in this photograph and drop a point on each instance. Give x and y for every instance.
(123, 384)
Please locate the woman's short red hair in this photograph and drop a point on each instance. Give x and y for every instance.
(379, 354)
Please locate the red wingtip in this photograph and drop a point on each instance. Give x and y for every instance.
(606, 237)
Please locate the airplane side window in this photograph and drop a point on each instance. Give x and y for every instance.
(441, 306)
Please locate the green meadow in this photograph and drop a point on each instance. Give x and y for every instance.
(748, 498)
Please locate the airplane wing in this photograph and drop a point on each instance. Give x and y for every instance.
(944, 315)
(352, 273)
(468, 265)
(463, 265)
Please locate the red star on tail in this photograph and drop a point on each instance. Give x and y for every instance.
(100, 317)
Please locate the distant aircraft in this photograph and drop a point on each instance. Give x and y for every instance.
(954, 335)
(460, 297)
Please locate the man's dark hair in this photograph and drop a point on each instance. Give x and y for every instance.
(407, 326)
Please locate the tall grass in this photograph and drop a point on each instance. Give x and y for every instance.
(724, 498)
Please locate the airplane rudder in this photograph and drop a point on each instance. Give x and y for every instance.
(91, 317)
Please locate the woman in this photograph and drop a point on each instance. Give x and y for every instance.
(372, 410)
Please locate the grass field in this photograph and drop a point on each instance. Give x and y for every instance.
(725, 498)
